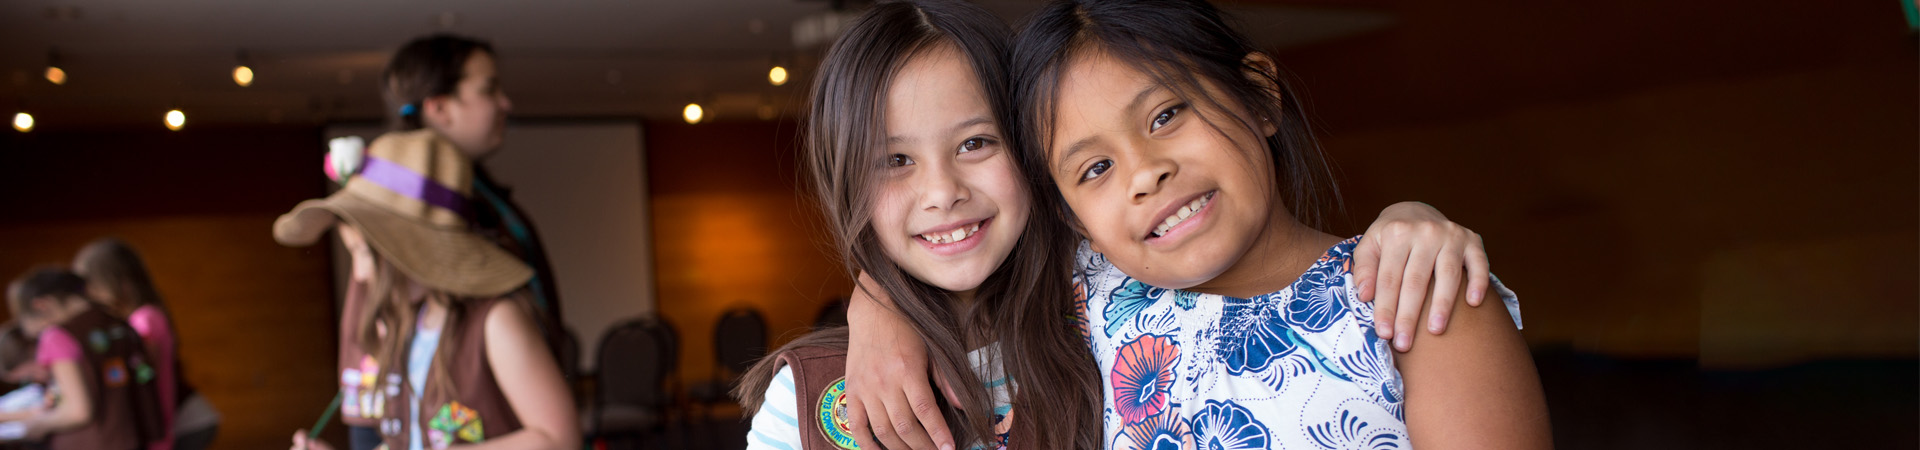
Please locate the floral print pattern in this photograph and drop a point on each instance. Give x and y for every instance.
(1142, 376)
(1297, 368)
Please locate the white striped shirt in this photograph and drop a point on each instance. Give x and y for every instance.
(777, 425)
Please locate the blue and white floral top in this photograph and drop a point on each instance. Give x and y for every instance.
(1299, 369)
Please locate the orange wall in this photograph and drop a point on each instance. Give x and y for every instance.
(730, 228)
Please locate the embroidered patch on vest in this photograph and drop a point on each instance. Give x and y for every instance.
(97, 341)
(142, 372)
(455, 420)
(114, 371)
(832, 414)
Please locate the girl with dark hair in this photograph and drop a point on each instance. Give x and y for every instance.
(450, 85)
(909, 159)
(446, 352)
(117, 278)
(906, 154)
(100, 374)
(1187, 164)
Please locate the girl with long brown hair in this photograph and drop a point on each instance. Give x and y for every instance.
(910, 159)
(447, 348)
(117, 278)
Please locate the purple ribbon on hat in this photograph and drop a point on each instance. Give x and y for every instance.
(404, 181)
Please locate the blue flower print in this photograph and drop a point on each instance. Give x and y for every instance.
(1127, 301)
(1319, 299)
(1225, 425)
(1351, 431)
(1254, 333)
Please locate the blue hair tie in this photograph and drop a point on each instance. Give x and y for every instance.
(408, 110)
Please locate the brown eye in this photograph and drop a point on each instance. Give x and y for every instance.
(898, 160)
(1166, 116)
(973, 144)
(1097, 169)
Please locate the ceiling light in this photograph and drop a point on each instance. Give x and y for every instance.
(54, 74)
(778, 75)
(176, 119)
(23, 122)
(243, 76)
(692, 113)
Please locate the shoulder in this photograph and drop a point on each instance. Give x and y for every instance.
(148, 319)
(776, 422)
(505, 315)
(57, 344)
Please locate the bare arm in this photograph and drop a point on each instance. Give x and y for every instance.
(73, 411)
(1475, 387)
(532, 383)
(890, 398)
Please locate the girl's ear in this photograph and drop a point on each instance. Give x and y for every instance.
(433, 111)
(1263, 72)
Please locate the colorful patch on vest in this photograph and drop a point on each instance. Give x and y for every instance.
(97, 341)
(455, 420)
(142, 372)
(114, 371)
(832, 414)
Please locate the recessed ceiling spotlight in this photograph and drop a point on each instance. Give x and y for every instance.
(777, 76)
(692, 113)
(54, 73)
(176, 120)
(242, 75)
(23, 121)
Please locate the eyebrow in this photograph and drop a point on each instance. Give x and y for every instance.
(969, 123)
(1082, 144)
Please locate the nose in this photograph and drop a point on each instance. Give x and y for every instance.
(942, 188)
(506, 104)
(1150, 174)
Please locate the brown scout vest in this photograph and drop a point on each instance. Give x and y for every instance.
(820, 373)
(478, 410)
(819, 385)
(362, 403)
(126, 406)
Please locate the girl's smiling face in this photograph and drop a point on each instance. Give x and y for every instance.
(1173, 190)
(949, 202)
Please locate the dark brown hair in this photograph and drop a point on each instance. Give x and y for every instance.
(426, 67)
(385, 327)
(112, 263)
(44, 281)
(1026, 304)
(1184, 45)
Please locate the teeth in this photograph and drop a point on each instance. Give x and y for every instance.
(956, 235)
(1181, 215)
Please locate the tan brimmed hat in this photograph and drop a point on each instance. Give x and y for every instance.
(410, 198)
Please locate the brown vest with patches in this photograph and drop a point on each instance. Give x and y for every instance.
(125, 401)
(816, 370)
(475, 410)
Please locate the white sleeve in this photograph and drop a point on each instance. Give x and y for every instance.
(776, 426)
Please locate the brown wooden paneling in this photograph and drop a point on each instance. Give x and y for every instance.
(731, 228)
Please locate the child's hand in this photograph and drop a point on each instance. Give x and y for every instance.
(300, 442)
(1409, 244)
(889, 400)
